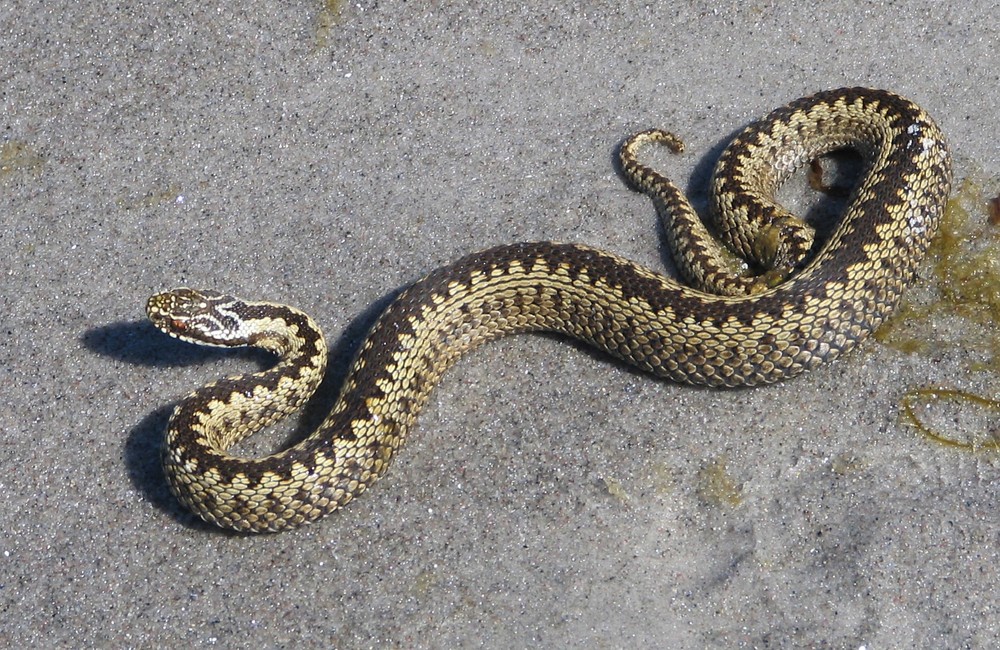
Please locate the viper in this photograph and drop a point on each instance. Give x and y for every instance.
(764, 301)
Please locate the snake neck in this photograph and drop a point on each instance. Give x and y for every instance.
(221, 414)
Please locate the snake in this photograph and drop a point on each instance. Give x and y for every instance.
(759, 299)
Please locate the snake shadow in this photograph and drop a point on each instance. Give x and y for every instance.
(140, 343)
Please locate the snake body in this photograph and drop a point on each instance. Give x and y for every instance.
(791, 306)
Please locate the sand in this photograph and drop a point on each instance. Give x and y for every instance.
(550, 497)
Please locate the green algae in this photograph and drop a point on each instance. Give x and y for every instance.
(717, 486)
(17, 156)
(327, 19)
(953, 418)
(957, 309)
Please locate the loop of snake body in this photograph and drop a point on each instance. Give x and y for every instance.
(791, 305)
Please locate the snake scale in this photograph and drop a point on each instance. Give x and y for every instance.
(791, 305)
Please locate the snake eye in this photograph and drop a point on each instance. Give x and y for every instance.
(178, 325)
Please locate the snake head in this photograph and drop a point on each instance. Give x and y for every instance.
(197, 316)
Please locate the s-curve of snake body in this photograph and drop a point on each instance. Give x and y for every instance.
(764, 302)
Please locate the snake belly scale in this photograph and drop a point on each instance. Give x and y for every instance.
(791, 306)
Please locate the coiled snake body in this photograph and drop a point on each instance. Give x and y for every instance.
(787, 310)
